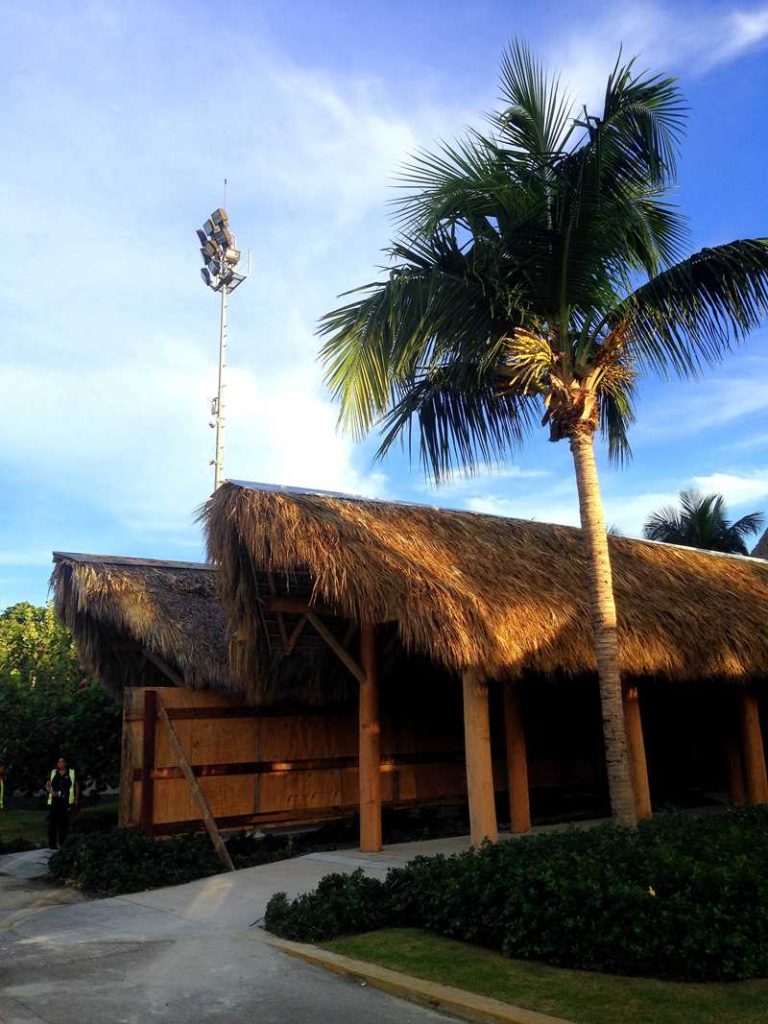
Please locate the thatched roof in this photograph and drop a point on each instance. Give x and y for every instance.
(467, 590)
(140, 622)
(760, 549)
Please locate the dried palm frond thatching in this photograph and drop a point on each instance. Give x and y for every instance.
(143, 623)
(506, 595)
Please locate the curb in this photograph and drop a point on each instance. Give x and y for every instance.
(455, 1001)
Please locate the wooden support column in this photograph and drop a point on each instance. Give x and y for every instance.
(369, 758)
(148, 759)
(477, 744)
(753, 751)
(517, 761)
(633, 726)
(126, 761)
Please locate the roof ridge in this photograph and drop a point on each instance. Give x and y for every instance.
(156, 563)
(253, 485)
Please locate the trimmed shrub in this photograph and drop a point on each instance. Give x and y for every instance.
(16, 846)
(125, 860)
(341, 904)
(681, 897)
(118, 860)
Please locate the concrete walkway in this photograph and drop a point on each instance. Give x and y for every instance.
(190, 954)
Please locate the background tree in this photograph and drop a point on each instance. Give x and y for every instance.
(48, 707)
(538, 271)
(702, 522)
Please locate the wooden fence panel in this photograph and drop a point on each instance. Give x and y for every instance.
(272, 766)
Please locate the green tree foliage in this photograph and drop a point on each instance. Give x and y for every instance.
(702, 522)
(48, 706)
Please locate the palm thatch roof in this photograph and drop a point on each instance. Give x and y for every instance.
(760, 549)
(140, 622)
(468, 590)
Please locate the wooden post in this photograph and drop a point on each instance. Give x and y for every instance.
(477, 744)
(148, 760)
(517, 761)
(369, 758)
(199, 797)
(753, 752)
(125, 796)
(636, 749)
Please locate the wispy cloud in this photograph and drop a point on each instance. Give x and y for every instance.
(736, 488)
(628, 512)
(690, 39)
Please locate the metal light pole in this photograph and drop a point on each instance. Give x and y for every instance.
(218, 461)
(221, 258)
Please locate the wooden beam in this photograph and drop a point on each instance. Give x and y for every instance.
(197, 794)
(477, 743)
(753, 751)
(296, 632)
(148, 759)
(638, 767)
(280, 619)
(296, 607)
(517, 761)
(341, 653)
(166, 669)
(369, 740)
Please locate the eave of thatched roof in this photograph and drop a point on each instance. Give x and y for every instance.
(142, 622)
(506, 595)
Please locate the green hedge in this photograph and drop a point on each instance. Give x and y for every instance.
(681, 897)
(125, 860)
(16, 846)
(122, 860)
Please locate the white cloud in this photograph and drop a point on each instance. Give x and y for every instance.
(625, 511)
(682, 40)
(737, 489)
(108, 356)
(484, 476)
(733, 392)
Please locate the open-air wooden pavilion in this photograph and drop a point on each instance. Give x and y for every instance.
(383, 654)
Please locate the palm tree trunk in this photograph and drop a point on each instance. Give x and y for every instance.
(606, 636)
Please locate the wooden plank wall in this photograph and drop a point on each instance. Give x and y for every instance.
(273, 765)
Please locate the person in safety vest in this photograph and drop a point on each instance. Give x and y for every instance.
(63, 797)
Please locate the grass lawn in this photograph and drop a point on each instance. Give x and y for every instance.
(17, 824)
(579, 996)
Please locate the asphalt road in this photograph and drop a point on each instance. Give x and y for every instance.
(190, 954)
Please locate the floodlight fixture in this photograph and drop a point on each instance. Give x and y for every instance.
(221, 258)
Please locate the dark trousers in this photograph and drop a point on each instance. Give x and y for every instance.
(58, 823)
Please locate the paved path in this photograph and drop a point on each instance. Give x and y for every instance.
(191, 954)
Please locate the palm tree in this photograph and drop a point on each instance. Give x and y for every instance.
(537, 271)
(701, 522)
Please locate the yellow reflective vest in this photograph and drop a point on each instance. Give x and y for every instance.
(71, 774)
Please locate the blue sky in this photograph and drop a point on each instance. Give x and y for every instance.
(122, 119)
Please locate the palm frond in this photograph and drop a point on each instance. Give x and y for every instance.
(440, 303)
(536, 118)
(617, 410)
(701, 522)
(693, 313)
(462, 420)
(749, 524)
